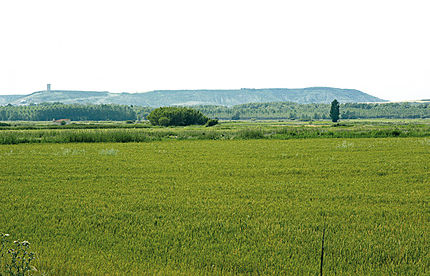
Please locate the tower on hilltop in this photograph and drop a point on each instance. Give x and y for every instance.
(48, 87)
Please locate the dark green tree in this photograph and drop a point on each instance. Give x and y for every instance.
(334, 111)
(236, 116)
(176, 116)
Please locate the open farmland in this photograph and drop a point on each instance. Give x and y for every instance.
(232, 206)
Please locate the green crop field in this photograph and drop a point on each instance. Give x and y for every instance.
(229, 206)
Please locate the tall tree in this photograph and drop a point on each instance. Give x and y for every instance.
(334, 111)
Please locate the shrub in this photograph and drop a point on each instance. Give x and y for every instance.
(339, 125)
(396, 133)
(211, 122)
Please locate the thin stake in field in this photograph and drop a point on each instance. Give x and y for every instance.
(322, 250)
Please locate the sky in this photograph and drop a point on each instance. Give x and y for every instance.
(379, 47)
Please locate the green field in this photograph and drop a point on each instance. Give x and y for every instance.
(95, 132)
(240, 206)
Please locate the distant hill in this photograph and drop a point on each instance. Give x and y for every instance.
(5, 99)
(195, 97)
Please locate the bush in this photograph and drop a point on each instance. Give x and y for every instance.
(176, 116)
(211, 122)
(396, 133)
(340, 125)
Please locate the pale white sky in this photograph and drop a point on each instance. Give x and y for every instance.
(380, 47)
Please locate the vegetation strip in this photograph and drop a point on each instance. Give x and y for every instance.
(224, 131)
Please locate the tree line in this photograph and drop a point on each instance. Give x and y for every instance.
(74, 112)
(295, 111)
(278, 110)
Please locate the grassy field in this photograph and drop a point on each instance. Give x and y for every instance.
(30, 132)
(232, 206)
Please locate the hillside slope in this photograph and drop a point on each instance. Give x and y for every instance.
(196, 97)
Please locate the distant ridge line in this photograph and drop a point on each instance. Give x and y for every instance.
(224, 97)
